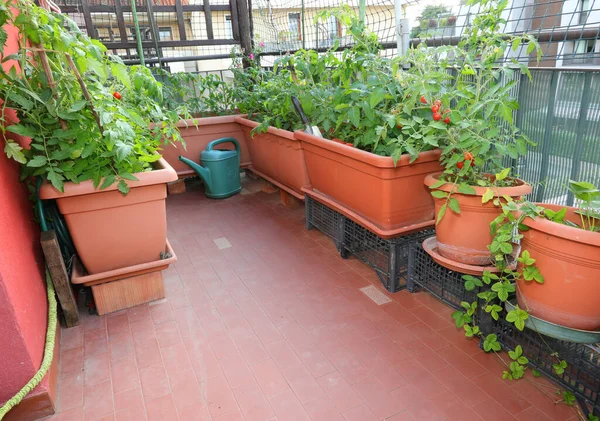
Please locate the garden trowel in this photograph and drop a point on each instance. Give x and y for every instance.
(313, 130)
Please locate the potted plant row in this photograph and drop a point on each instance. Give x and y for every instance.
(92, 128)
(207, 106)
(265, 97)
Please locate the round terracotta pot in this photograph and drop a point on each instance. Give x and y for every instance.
(464, 237)
(569, 260)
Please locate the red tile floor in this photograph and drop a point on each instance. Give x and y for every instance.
(274, 327)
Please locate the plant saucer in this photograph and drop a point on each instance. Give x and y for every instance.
(430, 247)
(557, 331)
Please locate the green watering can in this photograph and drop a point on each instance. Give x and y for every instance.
(219, 169)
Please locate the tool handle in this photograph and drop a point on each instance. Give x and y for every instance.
(300, 111)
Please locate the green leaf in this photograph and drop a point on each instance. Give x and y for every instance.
(532, 273)
(536, 373)
(517, 317)
(376, 97)
(502, 174)
(438, 194)
(465, 189)
(441, 213)
(37, 161)
(516, 43)
(119, 71)
(56, 179)
(354, 116)
(491, 343)
(128, 176)
(487, 196)
(526, 258)
(21, 130)
(453, 204)
(108, 181)
(437, 184)
(123, 187)
(14, 151)
(78, 105)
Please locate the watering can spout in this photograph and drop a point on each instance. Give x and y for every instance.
(202, 172)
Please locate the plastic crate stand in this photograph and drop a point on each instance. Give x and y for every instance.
(388, 257)
(582, 375)
(445, 284)
(326, 220)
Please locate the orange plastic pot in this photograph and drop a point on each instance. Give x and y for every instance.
(111, 230)
(464, 237)
(198, 136)
(390, 196)
(569, 260)
(276, 156)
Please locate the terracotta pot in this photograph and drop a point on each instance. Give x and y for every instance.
(277, 157)
(196, 139)
(112, 231)
(569, 260)
(389, 196)
(464, 237)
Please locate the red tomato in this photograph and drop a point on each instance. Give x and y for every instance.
(460, 165)
(447, 120)
(423, 99)
(437, 116)
(117, 95)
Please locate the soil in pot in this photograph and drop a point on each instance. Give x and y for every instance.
(569, 260)
(464, 237)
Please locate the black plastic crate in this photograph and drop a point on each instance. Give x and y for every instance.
(445, 284)
(388, 257)
(582, 374)
(326, 220)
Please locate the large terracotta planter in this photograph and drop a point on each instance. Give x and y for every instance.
(112, 231)
(390, 196)
(197, 136)
(464, 237)
(277, 156)
(569, 260)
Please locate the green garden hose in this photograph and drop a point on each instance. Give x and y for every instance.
(48, 353)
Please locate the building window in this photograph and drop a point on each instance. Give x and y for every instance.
(334, 28)
(584, 10)
(585, 46)
(228, 27)
(144, 32)
(295, 26)
(165, 34)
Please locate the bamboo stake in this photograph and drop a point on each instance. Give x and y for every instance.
(86, 93)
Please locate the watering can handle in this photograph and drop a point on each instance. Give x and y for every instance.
(214, 143)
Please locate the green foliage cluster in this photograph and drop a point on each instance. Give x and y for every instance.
(198, 95)
(73, 138)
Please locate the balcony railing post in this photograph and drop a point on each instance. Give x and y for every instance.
(581, 130)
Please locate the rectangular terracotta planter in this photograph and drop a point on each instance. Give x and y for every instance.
(390, 197)
(111, 230)
(197, 136)
(277, 156)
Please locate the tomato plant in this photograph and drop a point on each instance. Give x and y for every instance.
(74, 136)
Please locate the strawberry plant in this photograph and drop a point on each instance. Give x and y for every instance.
(87, 114)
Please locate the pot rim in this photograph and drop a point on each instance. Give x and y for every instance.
(273, 130)
(576, 235)
(364, 156)
(522, 189)
(161, 174)
(206, 121)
